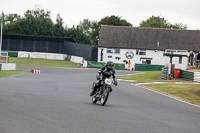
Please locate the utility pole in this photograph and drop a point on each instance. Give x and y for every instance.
(2, 18)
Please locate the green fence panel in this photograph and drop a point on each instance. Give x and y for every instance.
(187, 75)
(4, 53)
(68, 57)
(12, 54)
(119, 66)
(94, 64)
(148, 67)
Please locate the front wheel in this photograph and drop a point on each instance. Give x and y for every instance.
(104, 96)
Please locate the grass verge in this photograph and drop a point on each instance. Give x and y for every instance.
(42, 62)
(35, 62)
(149, 76)
(8, 73)
(186, 92)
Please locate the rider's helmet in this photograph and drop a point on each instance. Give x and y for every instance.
(110, 64)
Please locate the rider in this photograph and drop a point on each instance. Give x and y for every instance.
(106, 71)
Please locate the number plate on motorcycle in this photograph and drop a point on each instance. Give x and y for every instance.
(108, 81)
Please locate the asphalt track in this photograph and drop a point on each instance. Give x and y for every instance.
(57, 101)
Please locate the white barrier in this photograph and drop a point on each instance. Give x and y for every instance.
(37, 55)
(50, 56)
(59, 57)
(77, 59)
(22, 54)
(8, 66)
(197, 76)
(85, 63)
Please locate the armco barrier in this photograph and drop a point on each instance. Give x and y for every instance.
(148, 67)
(93, 64)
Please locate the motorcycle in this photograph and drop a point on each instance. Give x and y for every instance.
(102, 93)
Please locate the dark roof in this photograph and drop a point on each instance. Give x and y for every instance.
(148, 38)
(38, 38)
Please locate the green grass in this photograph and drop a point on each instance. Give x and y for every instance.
(35, 62)
(149, 76)
(187, 92)
(11, 73)
(42, 62)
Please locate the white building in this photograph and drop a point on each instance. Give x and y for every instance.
(146, 45)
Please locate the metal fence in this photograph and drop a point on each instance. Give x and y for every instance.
(48, 45)
(87, 51)
(197, 63)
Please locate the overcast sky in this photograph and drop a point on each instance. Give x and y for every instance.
(134, 11)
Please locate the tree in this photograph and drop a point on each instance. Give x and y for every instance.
(58, 28)
(88, 28)
(115, 21)
(77, 34)
(178, 26)
(108, 20)
(10, 18)
(86, 25)
(158, 22)
(35, 22)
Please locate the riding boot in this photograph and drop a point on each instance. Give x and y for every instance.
(94, 88)
(92, 93)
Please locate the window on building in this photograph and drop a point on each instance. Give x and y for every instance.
(115, 51)
(109, 50)
(137, 51)
(140, 52)
(144, 62)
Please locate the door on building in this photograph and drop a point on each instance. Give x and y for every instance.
(148, 61)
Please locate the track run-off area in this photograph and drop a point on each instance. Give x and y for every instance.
(57, 101)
